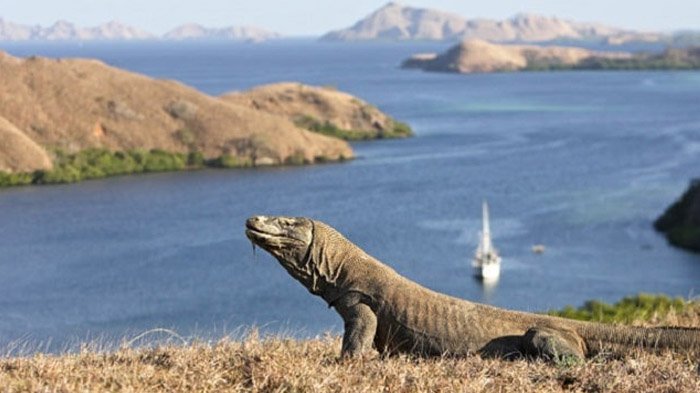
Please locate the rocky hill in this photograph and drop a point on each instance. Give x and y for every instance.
(480, 56)
(681, 221)
(321, 109)
(70, 105)
(397, 22)
(193, 31)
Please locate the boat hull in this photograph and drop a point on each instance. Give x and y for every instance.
(488, 272)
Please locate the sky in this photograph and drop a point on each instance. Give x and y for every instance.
(315, 17)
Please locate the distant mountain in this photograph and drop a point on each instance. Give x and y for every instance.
(63, 30)
(66, 31)
(193, 31)
(397, 22)
(14, 32)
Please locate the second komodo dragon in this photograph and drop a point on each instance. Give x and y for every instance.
(385, 310)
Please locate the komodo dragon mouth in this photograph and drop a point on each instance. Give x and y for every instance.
(289, 240)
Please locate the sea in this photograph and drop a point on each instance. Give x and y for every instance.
(580, 162)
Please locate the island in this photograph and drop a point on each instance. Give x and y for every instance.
(681, 221)
(475, 56)
(66, 120)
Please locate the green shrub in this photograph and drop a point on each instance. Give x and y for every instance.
(65, 173)
(642, 307)
(398, 130)
(671, 59)
(15, 179)
(297, 158)
(187, 137)
(99, 163)
(160, 161)
(229, 161)
(195, 159)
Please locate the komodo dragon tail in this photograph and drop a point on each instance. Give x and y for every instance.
(602, 337)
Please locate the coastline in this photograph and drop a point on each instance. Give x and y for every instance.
(93, 164)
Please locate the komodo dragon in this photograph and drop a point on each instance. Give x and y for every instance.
(382, 308)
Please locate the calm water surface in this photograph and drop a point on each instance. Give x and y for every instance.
(580, 162)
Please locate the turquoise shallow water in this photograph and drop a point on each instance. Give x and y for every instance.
(580, 162)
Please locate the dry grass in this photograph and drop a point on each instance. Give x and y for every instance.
(287, 365)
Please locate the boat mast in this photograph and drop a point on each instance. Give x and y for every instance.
(486, 230)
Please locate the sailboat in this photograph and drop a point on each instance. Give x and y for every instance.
(486, 262)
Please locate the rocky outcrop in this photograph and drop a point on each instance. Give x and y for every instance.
(681, 221)
(397, 22)
(321, 109)
(480, 56)
(72, 105)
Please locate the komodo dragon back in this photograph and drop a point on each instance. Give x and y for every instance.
(384, 310)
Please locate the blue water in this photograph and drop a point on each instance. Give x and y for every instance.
(581, 162)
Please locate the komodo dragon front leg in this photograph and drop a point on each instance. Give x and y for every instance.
(360, 325)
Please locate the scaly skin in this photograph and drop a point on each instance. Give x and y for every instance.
(384, 310)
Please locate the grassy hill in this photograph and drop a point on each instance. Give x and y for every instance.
(322, 109)
(57, 108)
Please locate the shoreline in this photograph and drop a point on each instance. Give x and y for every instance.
(94, 164)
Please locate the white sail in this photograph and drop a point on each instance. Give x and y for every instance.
(487, 263)
(486, 229)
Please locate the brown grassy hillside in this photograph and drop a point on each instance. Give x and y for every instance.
(18, 153)
(321, 109)
(286, 365)
(73, 104)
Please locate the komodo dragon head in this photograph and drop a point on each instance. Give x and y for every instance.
(311, 251)
(288, 239)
